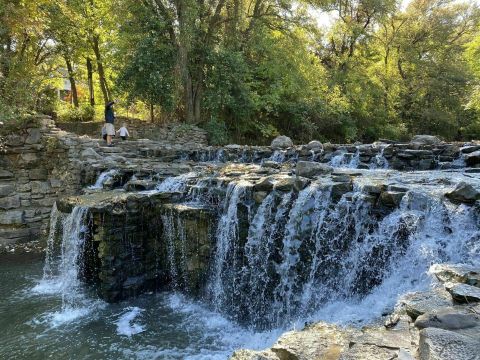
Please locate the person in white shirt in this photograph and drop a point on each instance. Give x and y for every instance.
(123, 132)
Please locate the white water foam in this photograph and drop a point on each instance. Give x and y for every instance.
(61, 275)
(102, 178)
(125, 324)
(175, 183)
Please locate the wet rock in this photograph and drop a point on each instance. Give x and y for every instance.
(463, 293)
(338, 189)
(139, 185)
(472, 158)
(259, 196)
(284, 184)
(466, 274)
(312, 169)
(464, 192)
(391, 198)
(419, 303)
(447, 319)
(265, 184)
(281, 142)
(469, 149)
(314, 145)
(440, 344)
(425, 140)
(300, 183)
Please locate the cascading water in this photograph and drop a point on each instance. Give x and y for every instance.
(306, 251)
(222, 287)
(345, 160)
(102, 178)
(175, 183)
(174, 230)
(63, 266)
(379, 161)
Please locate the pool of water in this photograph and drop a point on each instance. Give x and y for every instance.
(152, 326)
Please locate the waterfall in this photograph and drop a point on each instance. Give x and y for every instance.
(175, 183)
(278, 156)
(174, 230)
(304, 252)
(345, 160)
(63, 267)
(379, 161)
(222, 287)
(102, 178)
(50, 249)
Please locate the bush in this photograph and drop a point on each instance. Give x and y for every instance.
(217, 132)
(81, 114)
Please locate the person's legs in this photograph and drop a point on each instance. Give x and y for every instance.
(110, 133)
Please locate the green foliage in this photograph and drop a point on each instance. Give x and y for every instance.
(81, 114)
(217, 132)
(247, 72)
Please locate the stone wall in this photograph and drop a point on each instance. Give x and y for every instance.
(167, 133)
(40, 164)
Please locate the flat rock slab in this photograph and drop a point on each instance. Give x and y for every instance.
(463, 293)
(420, 303)
(440, 344)
(320, 341)
(447, 320)
(466, 274)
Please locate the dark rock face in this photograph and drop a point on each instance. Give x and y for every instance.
(135, 242)
(464, 193)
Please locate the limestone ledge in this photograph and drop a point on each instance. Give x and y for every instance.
(424, 326)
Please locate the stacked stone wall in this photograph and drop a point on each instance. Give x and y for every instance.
(181, 134)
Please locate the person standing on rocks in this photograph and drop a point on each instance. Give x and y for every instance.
(109, 120)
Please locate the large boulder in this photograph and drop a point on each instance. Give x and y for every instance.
(281, 142)
(464, 192)
(311, 169)
(440, 344)
(426, 140)
(314, 145)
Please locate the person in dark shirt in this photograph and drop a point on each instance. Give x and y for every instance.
(109, 121)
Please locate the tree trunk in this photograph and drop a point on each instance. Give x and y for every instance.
(188, 94)
(152, 115)
(101, 71)
(197, 101)
(71, 77)
(90, 82)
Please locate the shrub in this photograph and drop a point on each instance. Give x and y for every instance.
(217, 132)
(83, 113)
